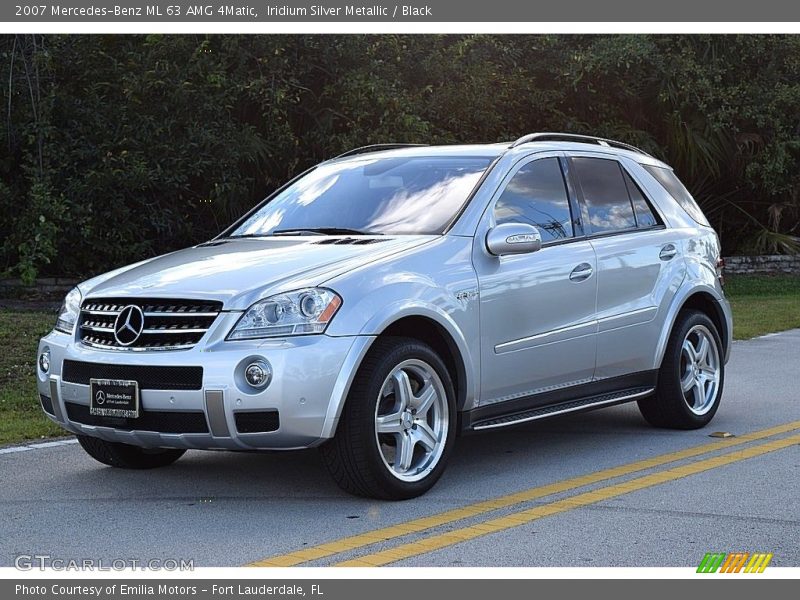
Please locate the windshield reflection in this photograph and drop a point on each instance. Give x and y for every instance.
(396, 195)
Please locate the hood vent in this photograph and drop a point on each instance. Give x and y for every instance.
(212, 243)
(348, 241)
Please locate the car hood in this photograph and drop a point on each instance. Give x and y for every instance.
(239, 272)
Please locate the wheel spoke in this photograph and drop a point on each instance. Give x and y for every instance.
(402, 389)
(699, 393)
(702, 350)
(389, 423)
(425, 436)
(404, 453)
(687, 382)
(689, 350)
(710, 373)
(425, 400)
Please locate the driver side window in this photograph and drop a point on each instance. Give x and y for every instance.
(537, 195)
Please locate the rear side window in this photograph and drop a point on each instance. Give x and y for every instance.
(605, 194)
(644, 214)
(670, 182)
(537, 195)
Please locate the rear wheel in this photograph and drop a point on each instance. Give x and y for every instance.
(691, 377)
(126, 456)
(398, 423)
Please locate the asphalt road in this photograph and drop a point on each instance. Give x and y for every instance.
(229, 509)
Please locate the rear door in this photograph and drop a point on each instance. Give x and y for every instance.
(639, 267)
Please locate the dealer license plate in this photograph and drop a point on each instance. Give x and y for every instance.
(114, 398)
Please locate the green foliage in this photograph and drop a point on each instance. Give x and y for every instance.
(121, 147)
(21, 416)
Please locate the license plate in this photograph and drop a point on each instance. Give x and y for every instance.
(114, 398)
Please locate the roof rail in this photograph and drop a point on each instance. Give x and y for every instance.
(574, 137)
(376, 148)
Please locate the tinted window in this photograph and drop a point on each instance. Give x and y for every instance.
(374, 195)
(644, 214)
(537, 195)
(676, 189)
(605, 194)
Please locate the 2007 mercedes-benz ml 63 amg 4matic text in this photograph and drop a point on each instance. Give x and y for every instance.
(391, 298)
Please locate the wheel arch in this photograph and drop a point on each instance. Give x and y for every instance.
(707, 301)
(425, 325)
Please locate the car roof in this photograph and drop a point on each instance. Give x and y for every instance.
(492, 151)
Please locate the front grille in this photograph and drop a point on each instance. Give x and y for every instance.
(167, 324)
(148, 378)
(151, 420)
(262, 421)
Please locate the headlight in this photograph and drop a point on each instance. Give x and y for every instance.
(68, 314)
(294, 313)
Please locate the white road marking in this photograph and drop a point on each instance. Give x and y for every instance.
(37, 446)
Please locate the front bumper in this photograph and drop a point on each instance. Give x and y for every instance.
(311, 375)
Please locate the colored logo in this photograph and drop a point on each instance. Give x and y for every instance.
(734, 562)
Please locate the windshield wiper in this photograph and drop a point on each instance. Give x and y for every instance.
(323, 231)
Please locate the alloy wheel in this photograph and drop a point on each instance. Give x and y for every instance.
(411, 420)
(700, 369)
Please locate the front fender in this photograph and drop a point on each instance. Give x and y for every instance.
(380, 321)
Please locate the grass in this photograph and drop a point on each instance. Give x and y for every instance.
(21, 417)
(761, 304)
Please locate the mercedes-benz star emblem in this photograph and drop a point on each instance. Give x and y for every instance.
(100, 397)
(129, 325)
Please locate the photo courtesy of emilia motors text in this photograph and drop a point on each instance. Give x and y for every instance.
(443, 298)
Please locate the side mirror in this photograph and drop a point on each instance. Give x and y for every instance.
(513, 238)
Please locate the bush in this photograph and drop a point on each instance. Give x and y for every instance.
(123, 147)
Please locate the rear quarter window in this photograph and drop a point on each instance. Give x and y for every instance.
(670, 182)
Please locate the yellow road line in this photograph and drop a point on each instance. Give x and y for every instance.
(422, 524)
(444, 540)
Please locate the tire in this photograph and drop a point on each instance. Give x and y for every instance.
(691, 377)
(125, 456)
(408, 455)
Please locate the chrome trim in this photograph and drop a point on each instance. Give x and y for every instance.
(100, 329)
(617, 400)
(181, 314)
(523, 343)
(141, 349)
(160, 331)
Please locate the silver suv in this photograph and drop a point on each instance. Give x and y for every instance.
(394, 297)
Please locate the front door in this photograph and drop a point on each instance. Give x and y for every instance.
(537, 310)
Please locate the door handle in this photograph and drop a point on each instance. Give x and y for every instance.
(668, 252)
(581, 272)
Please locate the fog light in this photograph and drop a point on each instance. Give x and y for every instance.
(258, 374)
(44, 362)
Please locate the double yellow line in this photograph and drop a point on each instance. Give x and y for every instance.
(438, 541)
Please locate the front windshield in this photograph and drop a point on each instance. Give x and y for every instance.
(418, 195)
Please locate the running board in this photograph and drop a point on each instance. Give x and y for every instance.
(565, 407)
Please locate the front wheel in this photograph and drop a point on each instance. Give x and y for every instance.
(691, 376)
(398, 423)
(126, 456)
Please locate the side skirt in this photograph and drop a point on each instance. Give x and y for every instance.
(588, 396)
